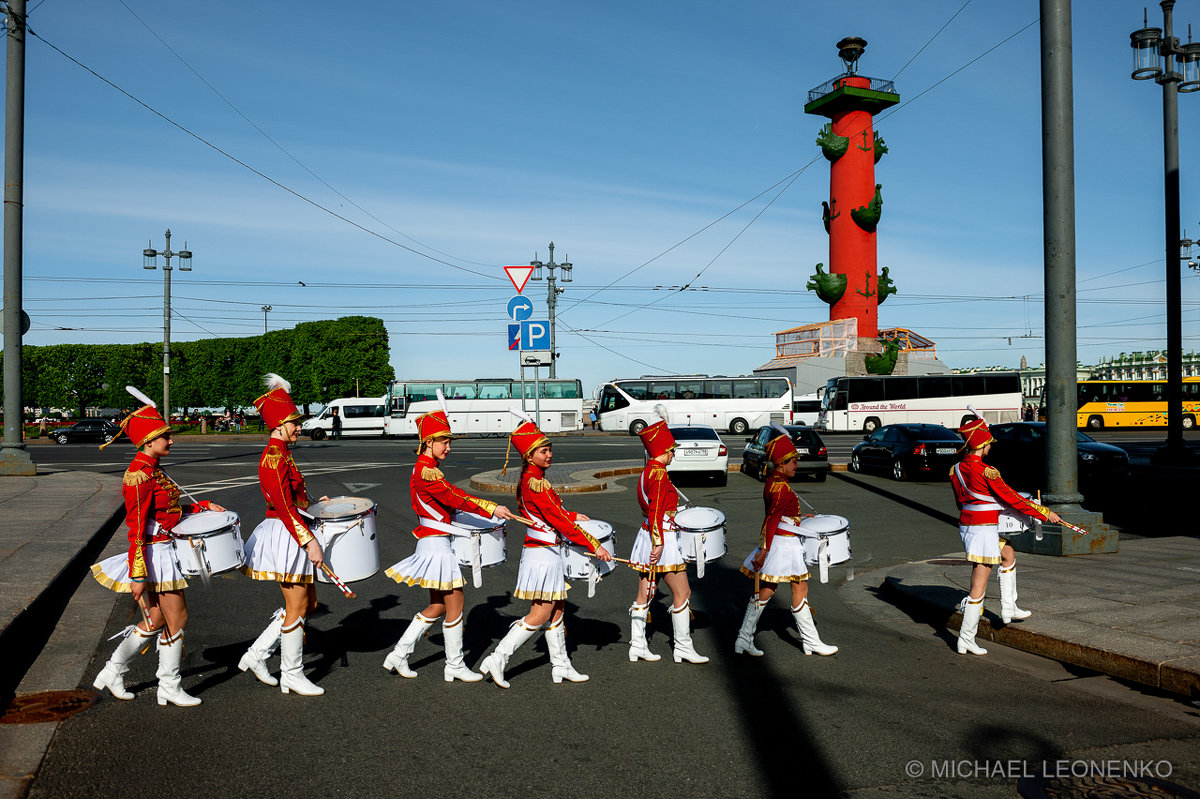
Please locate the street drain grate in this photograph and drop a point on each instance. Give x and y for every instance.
(46, 706)
(1101, 787)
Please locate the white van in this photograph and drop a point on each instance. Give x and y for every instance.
(806, 409)
(361, 416)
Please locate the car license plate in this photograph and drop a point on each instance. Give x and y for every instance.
(700, 452)
(946, 450)
(802, 450)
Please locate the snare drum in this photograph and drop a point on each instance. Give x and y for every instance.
(826, 540)
(208, 542)
(579, 564)
(480, 544)
(345, 528)
(1013, 522)
(701, 535)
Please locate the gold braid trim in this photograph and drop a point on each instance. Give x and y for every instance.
(303, 535)
(432, 475)
(133, 478)
(539, 485)
(488, 507)
(1042, 509)
(592, 542)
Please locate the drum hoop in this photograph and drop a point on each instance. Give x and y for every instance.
(698, 530)
(496, 530)
(207, 533)
(687, 512)
(374, 506)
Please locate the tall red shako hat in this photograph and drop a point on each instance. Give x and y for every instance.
(276, 405)
(781, 447)
(435, 424)
(657, 438)
(976, 432)
(526, 438)
(144, 424)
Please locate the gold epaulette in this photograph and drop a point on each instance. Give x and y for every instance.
(539, 484)
(272, 457)
(991, 473)
(135, 478)
(431, 474)
(951, 471)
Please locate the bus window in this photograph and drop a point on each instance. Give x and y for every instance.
(718, 389)
(901, 388)
(690, 389)
(659, 389)
(637, 389)
(934, 386)
(459, 391)
(495, 391)
(967, 385)
(866, 389)
(1003, 384)
(419, 392)
(746, 389)
(774, 388)
(611, 400)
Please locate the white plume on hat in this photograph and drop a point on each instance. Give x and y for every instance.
(140, 397)
(520, 414)
(661, 410)
(978, 415)
(442, 401)
(273, 381)
(781, 429)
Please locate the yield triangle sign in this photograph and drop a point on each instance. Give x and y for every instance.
(519, 275)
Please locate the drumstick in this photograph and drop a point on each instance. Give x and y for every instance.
(337, 581)
(1070, 526)
(614, 557)
(526, 522)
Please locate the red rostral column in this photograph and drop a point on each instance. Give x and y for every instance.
(850, 101)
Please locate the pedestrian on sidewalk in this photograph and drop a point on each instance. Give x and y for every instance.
(593, 417)
(434, 564)
(981, 494)
(282, 549)
(149, 570)
(542, 575)
(336, 424)
(779, 557)
(656, 550)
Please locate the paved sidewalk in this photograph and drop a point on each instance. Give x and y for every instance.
(1133, 614)
(573, 478)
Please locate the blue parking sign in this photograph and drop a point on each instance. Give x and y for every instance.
(535, 334)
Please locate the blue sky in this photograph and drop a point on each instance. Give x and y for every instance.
(477, 132)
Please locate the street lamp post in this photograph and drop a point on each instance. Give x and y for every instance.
(266, 309)
(551, 297)
(1158, 56)
(150, 261)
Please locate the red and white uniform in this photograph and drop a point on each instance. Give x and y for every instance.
(981, 494)
(542, 574)
(434, 500)
(780, 536)
(275, 550)
(659, 501)
(152, 509)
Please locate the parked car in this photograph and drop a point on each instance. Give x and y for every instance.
(813, 457)
(87, 430)
(908, 450)
(700, 449)
(1019, 452)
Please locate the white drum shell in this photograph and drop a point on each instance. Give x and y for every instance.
(493, 547)
(576, 560)
(826, 527)
(348, 541)
(1011, 521)
(701, 529)
(214, 536)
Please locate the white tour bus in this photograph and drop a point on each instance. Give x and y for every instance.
(361, 416)
(736, 404)
(868, 403)
(806, 409)
(481, 406)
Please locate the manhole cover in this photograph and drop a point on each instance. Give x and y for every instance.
(948, 562)
(1100, 788)
(48, 706)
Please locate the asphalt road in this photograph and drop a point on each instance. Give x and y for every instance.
(895, 713)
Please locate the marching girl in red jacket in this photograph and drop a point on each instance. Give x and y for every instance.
(981, 494)
(434, 564)
(149, 570)
(779, 557)
(282, 549)
(542, 575)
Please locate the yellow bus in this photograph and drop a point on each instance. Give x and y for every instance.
(1133, 403)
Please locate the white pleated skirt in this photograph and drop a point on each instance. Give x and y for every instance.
(162, 569)
(982, 542)
(784, 562)
(434, 565)
(272, 554)
(672, 556)
(542, 574)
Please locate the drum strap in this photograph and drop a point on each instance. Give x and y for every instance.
(985, 502)
(541, 531)
(434, 524)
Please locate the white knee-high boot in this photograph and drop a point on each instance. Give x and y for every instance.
(639, 647)
(291, 662)
(560, 661)
(1008, 596)
(681, 626)
(112, 676)
(809, 638)
(972, 610)
(170, 653)
(455, 668)
(397, 659)
(255, 658)
(745, 637)
(495, 663)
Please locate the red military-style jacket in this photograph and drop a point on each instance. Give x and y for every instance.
(283, 487)
(434, 499)
(981, 494)
(658, 498)
(152, 508)
(541, 503)
(781, 503)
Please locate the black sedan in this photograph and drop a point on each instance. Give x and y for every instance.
(908, 450)
(813, 457)
(87, 430)
(1019, 452)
